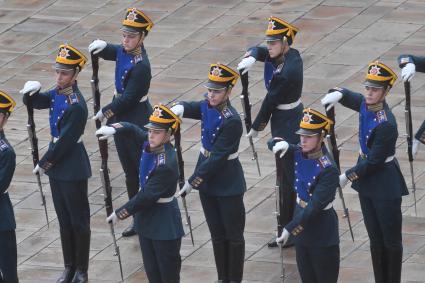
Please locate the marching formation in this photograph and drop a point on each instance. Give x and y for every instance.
(147, 141)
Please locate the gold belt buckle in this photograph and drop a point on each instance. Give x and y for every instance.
(302, 203)
(206, 153)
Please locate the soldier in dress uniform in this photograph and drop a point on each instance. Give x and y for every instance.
(130, 103)
(218, 174)
(283, 78)
(157, 215)
(8, 254)
(377, 176)
(315, 224)
(409, 65)
(66, 161)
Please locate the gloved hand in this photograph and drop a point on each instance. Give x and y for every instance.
(105, 132)
(178, 110)
(39, 170)
(96, 46)
(187, 188)
(246, 64)
(281, 146)
(343, 180)
(113, 218)
(415, 146)
(99, 116)
(31, 87)
(408, 72)
(283, 237)
(331, 99)
(252, 134)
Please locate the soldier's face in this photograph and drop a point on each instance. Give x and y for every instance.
(130, 40)
(310, 143)
(275, 48)
(3, 119)
(157, 137)
(374, 95)
(64, 78)
(217, 96)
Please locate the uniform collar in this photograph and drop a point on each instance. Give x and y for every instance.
(67, 91)
(158, 150)
(375, 107)
(136, 51)
(315, 155)
(222, 106)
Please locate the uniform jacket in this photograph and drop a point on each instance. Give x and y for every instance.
(7, 168)
(132, 82)
(214, 174)
(284, 83)
(66, 159)
(420, 67)
(158, 179)
(372, 176)
(316, 179)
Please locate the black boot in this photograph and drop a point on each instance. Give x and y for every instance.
(67, 240)
(394, 258)
(379, 263)
(82, 253)
(129, 231)
(220, 255)
(236, 258)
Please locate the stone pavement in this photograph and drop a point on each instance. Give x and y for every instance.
(337, 38)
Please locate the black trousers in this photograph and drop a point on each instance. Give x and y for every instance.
(161, 259)
(71, 205)
(129, 152)
(225, 217)
(318, 264)
(383, 219)
(8, 256)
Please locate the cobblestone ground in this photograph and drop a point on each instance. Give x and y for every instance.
(337, 39)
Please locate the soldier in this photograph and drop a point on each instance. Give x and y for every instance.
(409, 64)
(66, 161)
(218, 173)
(315, 223)
(283, 78)
(130, 103)
(8, 254)
(158, 221)
(377, 176)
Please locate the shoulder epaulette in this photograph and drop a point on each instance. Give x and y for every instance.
(382, 116)
(73, 98)
(3, 145)
(325, 161)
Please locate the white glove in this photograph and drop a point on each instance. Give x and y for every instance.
(38, 170)
(281, 146)
(252, 134)
(331, 99)
(283, 237)
(105, 132)
(246, 64)
(113, 218)
(187, 188)
(99, 116)
(415, 146)
(96, 46)
(343, 180)
(408, 72)
(31, 87)
(178, 110)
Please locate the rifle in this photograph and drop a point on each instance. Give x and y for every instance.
(279, 176)
(103, 148)
(246, 107)
(178, 148)
(34, 151)
(334, 151)
(409, 131)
